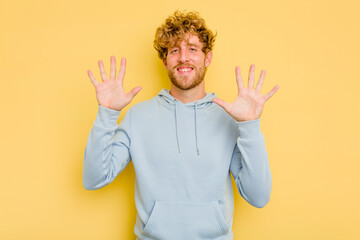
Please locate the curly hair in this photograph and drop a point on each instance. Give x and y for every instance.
(176, 26)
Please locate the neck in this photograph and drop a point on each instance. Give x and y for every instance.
(191, 95)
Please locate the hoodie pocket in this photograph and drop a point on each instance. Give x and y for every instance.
(185, 220)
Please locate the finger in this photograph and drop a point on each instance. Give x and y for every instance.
(272, 92)
(102, 71)
(222, 103)
(134, 91)
(112, 67)
(122, 69)
(239, 80)
(251, 76)
(261, 81)
(92, 79)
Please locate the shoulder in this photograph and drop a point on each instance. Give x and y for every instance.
(220, 115)
(143, 107)
(220, 112)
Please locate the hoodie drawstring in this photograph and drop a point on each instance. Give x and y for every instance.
(196, 138)
(177, 130)
(176, 127)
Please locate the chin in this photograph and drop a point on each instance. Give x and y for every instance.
(186, 86)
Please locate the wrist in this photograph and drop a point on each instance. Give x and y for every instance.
(107, 117)
(250, 129)
(111, 108)
(245, 119)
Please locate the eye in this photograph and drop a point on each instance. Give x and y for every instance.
(193, 49)
(174, 50)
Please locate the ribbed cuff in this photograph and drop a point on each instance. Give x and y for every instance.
(250, 129)
(107, 117)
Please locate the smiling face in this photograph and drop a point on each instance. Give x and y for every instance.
(186, 63)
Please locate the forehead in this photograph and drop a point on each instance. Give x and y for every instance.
(187, 39)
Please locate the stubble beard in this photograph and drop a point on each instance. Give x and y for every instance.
(198, 78)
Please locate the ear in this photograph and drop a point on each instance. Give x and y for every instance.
(208, 58)
(164, 62)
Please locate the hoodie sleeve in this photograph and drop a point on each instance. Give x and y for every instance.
(250, 166)
(107, 149)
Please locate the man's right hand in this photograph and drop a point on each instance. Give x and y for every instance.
(110, 93)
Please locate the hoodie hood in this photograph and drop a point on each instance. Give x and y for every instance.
(202, 103)
(205, 102)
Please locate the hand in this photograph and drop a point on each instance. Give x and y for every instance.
(110, 93)
(249, 103)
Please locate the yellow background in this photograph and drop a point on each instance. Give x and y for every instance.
(310, 48)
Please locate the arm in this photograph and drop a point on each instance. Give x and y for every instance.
(107, 149)
(249, 165)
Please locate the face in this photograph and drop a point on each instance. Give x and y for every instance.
(186, 63)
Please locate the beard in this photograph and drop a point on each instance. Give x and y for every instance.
(184, 82)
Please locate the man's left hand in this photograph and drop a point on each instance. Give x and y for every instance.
(249, 103)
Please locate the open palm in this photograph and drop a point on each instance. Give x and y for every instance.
(249, 103)
(110, 92)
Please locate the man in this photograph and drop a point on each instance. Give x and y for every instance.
(184, 143)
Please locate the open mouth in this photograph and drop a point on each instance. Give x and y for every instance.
(184, 70)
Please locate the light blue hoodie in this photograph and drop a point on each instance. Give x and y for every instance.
(182, 155)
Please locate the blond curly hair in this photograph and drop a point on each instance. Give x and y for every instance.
(176, 26)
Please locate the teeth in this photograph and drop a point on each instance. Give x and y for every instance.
(184, 69)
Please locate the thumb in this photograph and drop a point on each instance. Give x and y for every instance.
(134, 91)
(221, 103)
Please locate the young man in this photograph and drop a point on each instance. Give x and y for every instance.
(184, 143)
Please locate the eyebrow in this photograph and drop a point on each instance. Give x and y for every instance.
(194, 45)
(174, 44)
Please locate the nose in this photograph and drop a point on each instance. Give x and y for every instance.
(183, 55)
